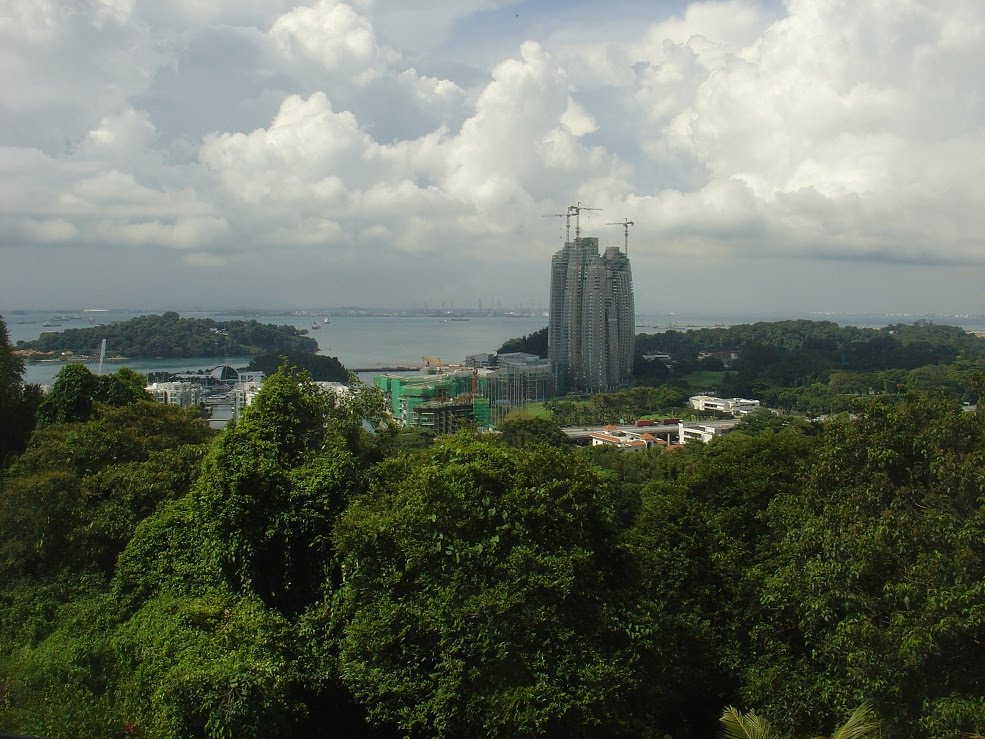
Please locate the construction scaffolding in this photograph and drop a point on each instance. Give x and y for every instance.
(444, 400)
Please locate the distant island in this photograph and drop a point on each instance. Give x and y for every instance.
(171, 336)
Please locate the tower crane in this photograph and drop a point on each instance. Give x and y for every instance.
(567, 223)
(577, 209)
(625, 223)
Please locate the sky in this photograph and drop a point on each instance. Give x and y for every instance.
(796, 156)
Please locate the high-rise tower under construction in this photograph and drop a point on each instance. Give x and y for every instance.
(592, 324)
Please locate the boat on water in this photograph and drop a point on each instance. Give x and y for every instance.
(326, 320)
(315, 326)
(50, 324)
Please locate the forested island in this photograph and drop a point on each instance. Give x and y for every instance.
(170, 336)
(314, 571)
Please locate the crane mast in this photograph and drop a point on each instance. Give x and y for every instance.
(576, 209)
(625, 223)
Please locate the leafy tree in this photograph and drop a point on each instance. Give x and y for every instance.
(698, 540)
(763, 420)
(408, 438)
(76, 389)
(319, 367)
(522, 432)
(534, 343)
(18, 403)
(481, 595)
(877, 588)
(75, 496)
(70, 397)
(214, 665)
(123, 387)
(57, 659)
(271, 488)
(69, 506)
(648, 372)
(231, 591)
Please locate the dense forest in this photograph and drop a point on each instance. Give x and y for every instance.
(810, 367)
(169, 335)
(321, 368)
(314, 571)
(819, 367)
(533, 343)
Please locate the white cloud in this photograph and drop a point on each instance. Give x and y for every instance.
(736, 129)
(193, 232)
(118, 138)
(333, 34)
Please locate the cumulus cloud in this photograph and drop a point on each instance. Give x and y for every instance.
(333, 34)
(734, 130)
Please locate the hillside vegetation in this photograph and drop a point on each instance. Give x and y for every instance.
(312, 571)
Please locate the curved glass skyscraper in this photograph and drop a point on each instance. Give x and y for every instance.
(592, 323)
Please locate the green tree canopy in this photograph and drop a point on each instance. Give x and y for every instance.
(877, 590)
(76, 390)
(74, 497)
(522, 432)
(318, 366)
(480, 595)
(534, 343)
(18, 403)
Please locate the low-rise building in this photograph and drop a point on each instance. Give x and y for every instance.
(632, 441)
(735, 406)
(704, 432)
(338, 388)
(241, 395)
(181, 394)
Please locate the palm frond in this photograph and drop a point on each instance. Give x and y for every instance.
(862, 724)
(738, 725)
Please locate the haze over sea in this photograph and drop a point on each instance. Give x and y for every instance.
(369, 341)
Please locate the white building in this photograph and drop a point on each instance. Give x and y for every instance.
(338, 388)
(181, 394)
(241, 395)
(633, 441)
(735, 406)
(704, 432)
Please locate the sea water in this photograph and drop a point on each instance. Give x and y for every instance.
(372, 341)
(358, 341)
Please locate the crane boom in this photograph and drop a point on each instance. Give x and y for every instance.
(625, 223)
(567, 223)
(577, 208)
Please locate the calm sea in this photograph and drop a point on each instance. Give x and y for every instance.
(364, 342)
